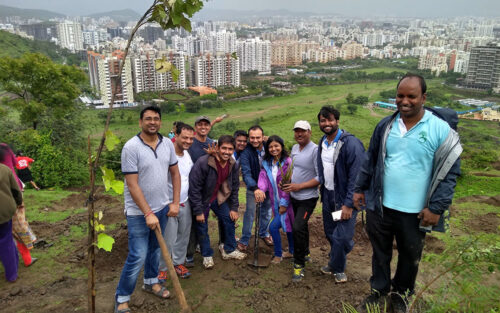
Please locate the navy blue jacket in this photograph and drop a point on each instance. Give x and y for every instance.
(250, 167)
(202, 183)
(371, 176)
(349, 160)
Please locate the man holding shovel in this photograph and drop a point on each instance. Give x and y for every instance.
(148, 159)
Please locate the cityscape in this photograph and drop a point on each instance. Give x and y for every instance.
(216, 53)
(328, 109)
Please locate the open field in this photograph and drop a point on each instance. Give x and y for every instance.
(57, 283)
(383, 69)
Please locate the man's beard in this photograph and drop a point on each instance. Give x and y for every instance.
(334, 129)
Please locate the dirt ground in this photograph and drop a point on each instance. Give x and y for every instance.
(231, 286)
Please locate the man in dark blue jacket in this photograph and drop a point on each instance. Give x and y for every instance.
(339, 157)
(251, 163)
(214, 184)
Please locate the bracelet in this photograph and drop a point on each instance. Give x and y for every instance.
(148, 214)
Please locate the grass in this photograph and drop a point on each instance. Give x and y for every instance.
(470, 185)
(44, 198)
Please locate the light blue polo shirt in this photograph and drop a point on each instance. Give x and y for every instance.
(409, 160)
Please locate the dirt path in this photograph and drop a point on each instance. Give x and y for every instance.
(53, 285)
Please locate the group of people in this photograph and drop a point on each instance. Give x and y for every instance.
(16, 235)
(405, 181)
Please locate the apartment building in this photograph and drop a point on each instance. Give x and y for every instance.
(290, 53)
(69, 35)
(216, 70)
(254, 55)
(103, 72)
(352, 50)
(483, 71)
(146, 78)
(436, 62)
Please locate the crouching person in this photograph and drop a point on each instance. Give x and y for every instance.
(214, 184)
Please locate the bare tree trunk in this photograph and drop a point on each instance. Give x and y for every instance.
(91, 237)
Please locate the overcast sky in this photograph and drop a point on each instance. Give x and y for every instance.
(412, 8)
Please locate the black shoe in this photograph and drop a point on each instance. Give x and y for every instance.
(374, 300)
(399, 303)
(326, 270)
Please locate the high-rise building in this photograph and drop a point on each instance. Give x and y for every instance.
(146, 78)
(254, 55)
(69, 35)
(484, 67)
(41, 31)
(352, 50)
(436, 62)
(215, 70)
(103, 72)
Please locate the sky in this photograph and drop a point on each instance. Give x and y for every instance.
(353, 8)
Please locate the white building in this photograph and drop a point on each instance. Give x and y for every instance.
(69, 35)
(254, 55)
(215, 70)
(146, 78)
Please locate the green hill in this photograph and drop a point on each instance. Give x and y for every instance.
(6, 11)
(15, 46)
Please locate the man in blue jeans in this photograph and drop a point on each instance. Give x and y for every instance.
(251, 164)
(214, 184)
(339, 157)
(148, 159)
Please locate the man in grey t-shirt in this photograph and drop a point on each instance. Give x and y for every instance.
(147, 161)
(303, 193)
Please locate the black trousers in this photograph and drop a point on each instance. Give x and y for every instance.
(302, 210)
(410, 243)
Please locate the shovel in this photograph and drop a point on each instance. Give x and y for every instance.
(259, 260)
(171, 272)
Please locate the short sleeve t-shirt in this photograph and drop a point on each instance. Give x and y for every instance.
(197, 149)
(23, 162)
(409, 161)
(305, 168)
(185, 164)
(152, 167)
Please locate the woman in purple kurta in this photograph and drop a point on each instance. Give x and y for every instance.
(275, 164)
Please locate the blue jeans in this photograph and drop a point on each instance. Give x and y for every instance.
(338, 233)
(222, 213)
(248, 218)
(143, 249)
(274, 229)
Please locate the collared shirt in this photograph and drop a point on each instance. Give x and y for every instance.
(152, 167)
(305, 168)
(327, 152)
(409, 161)
(185, 164)
(261, 154)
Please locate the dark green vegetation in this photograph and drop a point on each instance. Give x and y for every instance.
(41, 117)
(16, 46)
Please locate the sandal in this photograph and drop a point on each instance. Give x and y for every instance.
(127, 310)
(276, 260)
(159, 293)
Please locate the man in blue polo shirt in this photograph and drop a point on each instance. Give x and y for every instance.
(408, 179)
(148, 160)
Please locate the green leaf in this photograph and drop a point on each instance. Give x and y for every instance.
(118, 186)
(99, 227)
(234, 55)
(175, 73)
(100, 215)
(111, 140)
(185, 23)
(162, 65)
(105, 242)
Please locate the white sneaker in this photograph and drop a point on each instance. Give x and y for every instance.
(233, 255)
(208, 262)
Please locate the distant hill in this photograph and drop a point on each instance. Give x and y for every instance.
(119, 15)
(15, 46)
(28, 13)
(211, 14)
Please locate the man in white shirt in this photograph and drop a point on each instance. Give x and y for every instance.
(177, 231)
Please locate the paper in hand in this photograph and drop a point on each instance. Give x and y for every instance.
(337, 215)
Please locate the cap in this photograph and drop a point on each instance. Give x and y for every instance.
(202, 118)
(302, 125)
